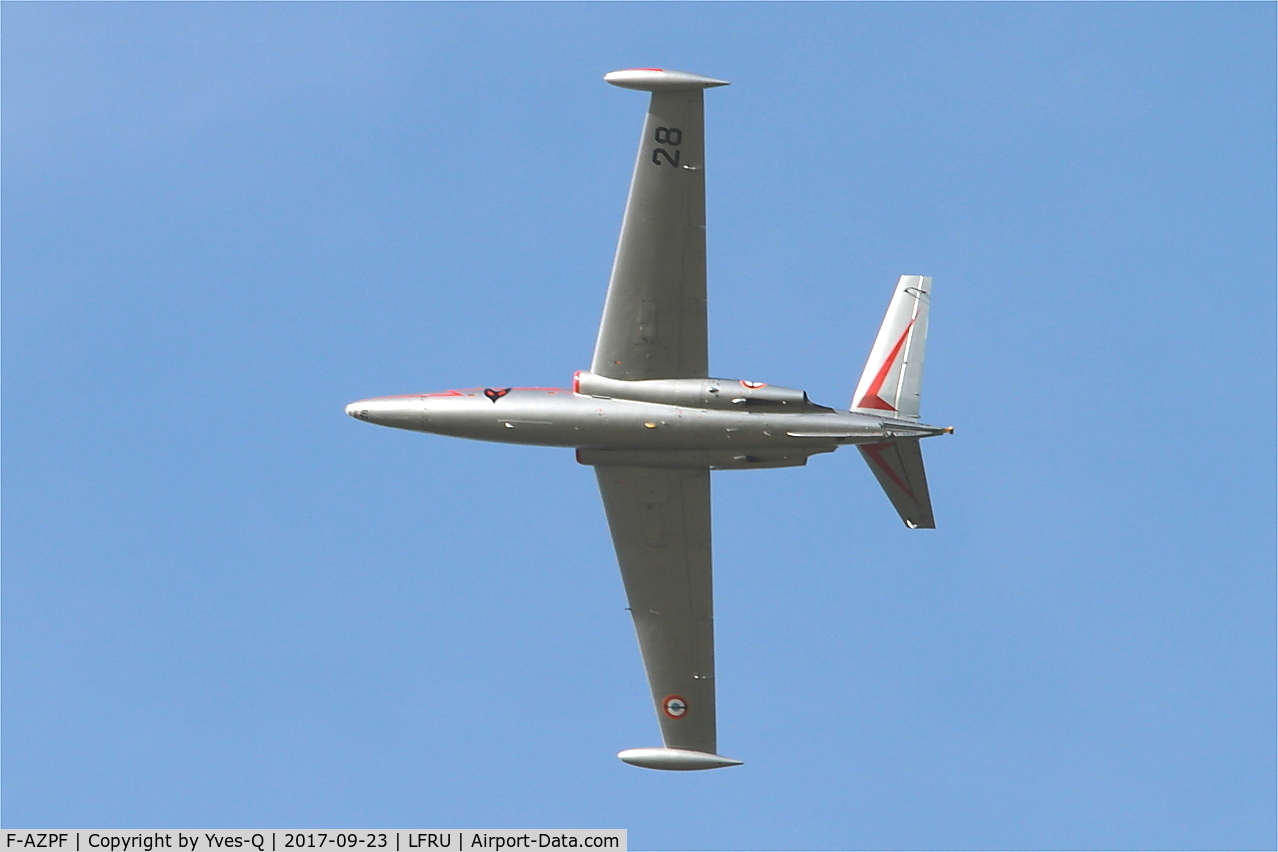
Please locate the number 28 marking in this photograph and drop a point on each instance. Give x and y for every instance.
(671, 136)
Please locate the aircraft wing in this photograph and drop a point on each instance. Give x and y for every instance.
(660, 521)
(898, 466)
(654, 320)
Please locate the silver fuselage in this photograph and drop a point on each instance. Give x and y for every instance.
(557, 417)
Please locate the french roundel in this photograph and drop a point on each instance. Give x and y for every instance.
(675, 706)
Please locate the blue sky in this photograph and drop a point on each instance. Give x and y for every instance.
(227, 604)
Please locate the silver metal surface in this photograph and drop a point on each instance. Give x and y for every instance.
(898, 466)
(892, 381)
(654, 425)
(660, 522)
(654, 319)
(674, 758)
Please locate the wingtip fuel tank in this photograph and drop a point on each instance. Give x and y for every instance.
(660, 80)
(674, 759)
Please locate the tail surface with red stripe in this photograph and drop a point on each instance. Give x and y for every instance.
(890, 387)
(898, 466)
(893, 376)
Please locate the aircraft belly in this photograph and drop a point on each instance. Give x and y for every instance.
(561, 419)
(635, 426)
(645, 426)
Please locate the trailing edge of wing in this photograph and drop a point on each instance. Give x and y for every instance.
(898, 466)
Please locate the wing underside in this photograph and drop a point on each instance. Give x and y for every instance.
(660, 522)
(654, 320)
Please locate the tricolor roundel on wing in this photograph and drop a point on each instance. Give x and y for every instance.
(675, 706)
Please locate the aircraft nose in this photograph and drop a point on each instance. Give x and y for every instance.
(399, 412)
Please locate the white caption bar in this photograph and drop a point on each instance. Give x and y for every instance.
(288, 840)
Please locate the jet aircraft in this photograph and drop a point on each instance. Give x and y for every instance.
(653, 423)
